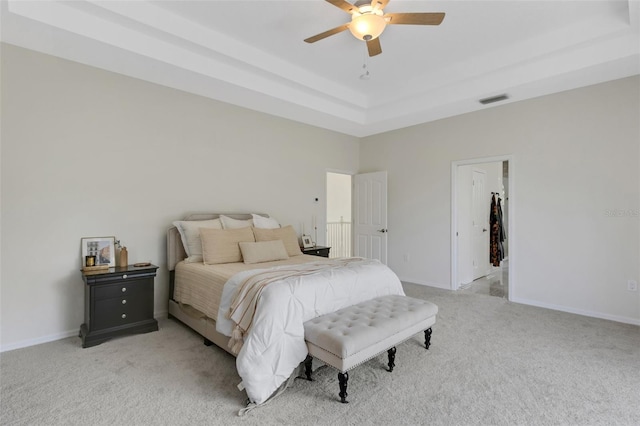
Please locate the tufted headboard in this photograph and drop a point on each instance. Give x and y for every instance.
(175, 250)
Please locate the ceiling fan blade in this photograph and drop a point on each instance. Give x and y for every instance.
(344, 5)
(326, 34)
(414, 18)
(374, 47)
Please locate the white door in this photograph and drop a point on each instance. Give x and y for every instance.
(370, 216)
(479, 225)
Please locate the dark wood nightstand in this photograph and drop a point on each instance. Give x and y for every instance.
(317, 251)
(117, 301)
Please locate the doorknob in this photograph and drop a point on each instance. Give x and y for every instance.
(484, 230)
(382, 230)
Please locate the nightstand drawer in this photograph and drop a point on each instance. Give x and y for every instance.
(121, 311)
(122, 289)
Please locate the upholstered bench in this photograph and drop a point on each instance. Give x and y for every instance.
(351, 336)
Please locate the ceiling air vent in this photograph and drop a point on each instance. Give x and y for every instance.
(493, 99)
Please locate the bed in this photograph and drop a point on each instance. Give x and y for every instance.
(202, 290)
(195, 318)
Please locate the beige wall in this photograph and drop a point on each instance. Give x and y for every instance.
(92, 153)
(576, 160)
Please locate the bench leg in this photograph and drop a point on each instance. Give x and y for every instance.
(307, 367)
(392, 357)
(343, 379)
(427, 338)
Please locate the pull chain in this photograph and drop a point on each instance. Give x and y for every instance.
(365, 72)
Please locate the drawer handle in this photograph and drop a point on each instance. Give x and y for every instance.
(124, 316)
(124, 277)
(124, 289)
(124, 301)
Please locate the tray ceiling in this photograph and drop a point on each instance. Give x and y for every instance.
(252, 54)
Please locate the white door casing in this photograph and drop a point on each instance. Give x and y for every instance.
(370, 215)
(511, 230)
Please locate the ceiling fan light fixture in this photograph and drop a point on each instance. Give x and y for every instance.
(367, 26)
(368, 21)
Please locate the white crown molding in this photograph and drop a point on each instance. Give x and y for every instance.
(143, 40)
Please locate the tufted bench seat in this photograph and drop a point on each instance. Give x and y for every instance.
(351, 336)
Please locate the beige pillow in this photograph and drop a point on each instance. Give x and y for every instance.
(190, 234)
(263, 251)
(287, 234)
(221, 245)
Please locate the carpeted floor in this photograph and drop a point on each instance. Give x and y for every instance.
(491, 362)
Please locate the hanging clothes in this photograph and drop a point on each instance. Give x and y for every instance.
(503, 234)
(497, 235)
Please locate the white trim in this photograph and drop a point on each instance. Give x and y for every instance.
(424, 283)
(340, 172)
(59, 336)
(583, 312)
(40, 340)
(511, 214)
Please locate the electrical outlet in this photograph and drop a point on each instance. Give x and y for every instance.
(406, 257)
(632, 285)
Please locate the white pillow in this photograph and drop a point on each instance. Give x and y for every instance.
(231, 223)
(265, 222)
(190, 233)
(264, 251)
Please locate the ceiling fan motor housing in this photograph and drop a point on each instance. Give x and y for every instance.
(368, 23)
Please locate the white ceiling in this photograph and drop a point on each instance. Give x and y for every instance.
(252, 54)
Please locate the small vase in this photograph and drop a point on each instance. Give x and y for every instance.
(124, 257)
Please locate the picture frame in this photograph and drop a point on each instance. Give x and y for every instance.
(306, 241)
(102, 248)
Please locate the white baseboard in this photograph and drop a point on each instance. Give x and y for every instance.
(60, 336)
(616, 318)
(40, 340)
(561, 308)
(425, 283)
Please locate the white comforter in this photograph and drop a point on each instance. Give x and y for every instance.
(274, 345)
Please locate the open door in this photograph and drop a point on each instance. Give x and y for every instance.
(464, 217)
(479, 224)
(370, 216)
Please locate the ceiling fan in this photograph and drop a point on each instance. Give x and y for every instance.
(368, 21)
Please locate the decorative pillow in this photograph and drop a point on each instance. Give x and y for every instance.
(263, 251)
(190, 234)
(287, 234)
(222, 245)
(265, 222)
(231, 223)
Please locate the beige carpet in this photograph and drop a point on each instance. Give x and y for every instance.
(491, 363)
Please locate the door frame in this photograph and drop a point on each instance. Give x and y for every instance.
(511, 234)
